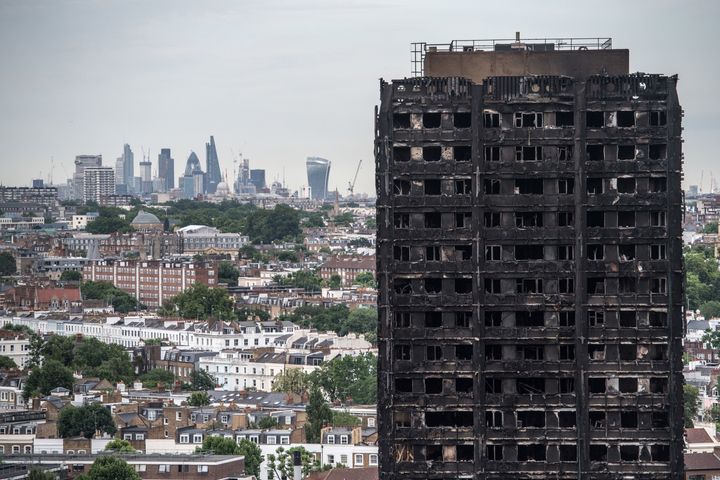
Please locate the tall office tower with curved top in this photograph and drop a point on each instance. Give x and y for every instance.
(318, 172)
(213, 176)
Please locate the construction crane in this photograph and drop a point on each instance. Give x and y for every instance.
(351, 185)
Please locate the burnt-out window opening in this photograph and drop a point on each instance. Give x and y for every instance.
(491, 119)
(493, 419)
(402, 285)
(432, 254)
(627, 285)
(625, 118)
(463, 219)
(658, 184)
(595, 153)
(401, 154)
(491, 186)
(658, 285)
(566, 385)
(566, 318)
(565, 252)
(629, 453)
(463, 187)
(658, 118)
(598, 453)
(493, 253)
(597, 385)
(528, 154)
(534, 452)
(462, 153)
(595, 219)
(491, 219)
(626, 219)
(658, 219)
(463, 352)
(493, 352)
(530, 386)
(463, 319)
(434, 453)
(658, 151)
(432, 187)
(595, 251)
(529, 186)
(401, 187)
(465, 453)
(626, 253)
(433, 319)
(626, 152)
(463, 385)
(433, 385)
(657, 319)
(627, 351)
(626, 185)
(494, 452)
(493, 385)
(531, 419)
(431, 119)
(403, 385)
(596, 351)
(594, 119)
(433, 285)
(659, 419)
(493, 319)
(528, 219)
(402, 220)
(660, 452)
(564, 118)
(401, 253)
(596, 318)
(658, 252)
(401, 120)
(525, 318)
(402, 352)
(432, 154)
(449, 419)
(402, 319)
(492, 285)
(565, 219)
(595, 186)
(492, 154)
(627, 385)
(530, 352)
(568, 453)
(566, 285)
(628, 419)
(565, 153)
(462, 120)
(401, 419)
(463, 252)
(528, 119)
(566, 186)
(529, 285)
(433, 353)
(433, 220)
(627, 318)
(463, 285)
(597, 419)
(658, 385)
(567, 419)
(596, 285)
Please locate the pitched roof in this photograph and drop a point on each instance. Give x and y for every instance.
(701, 461)
(697, 435)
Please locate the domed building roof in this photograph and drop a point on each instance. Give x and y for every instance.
(145, 218)
(222, 189)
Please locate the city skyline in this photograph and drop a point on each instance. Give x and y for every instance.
(77, 66)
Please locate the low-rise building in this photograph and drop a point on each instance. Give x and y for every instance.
(347, 268)
(209, 240)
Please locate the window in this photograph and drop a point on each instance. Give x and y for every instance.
(529, 252)
(491, 219)
(401, 154)
(140, 467)
(402, 286)
(493, 419)
(626, 185)
(185, 438)
(657, 151)
(626, 219)
(596, 318)
(596, 285)
(403, 385)
(566, 285)
(491, 119)
(529, 186)
(463, 285)
(529, 285)
(595, 186)
(564, 118)
(402, 319)
(658, 184)
(463, 187)
(493, 253)
(531, 352)
(433, 220)
(565, 219)
(358, 459)
(595, 252)
(626, 152)
(658, 118)
(566, 319)
(202, 469)
(566, 385)
(462, 319)
(565, 153)
(432, 187)
(197, 438)
(434, 353)
(402, 352)
(431, 119)
(565, 252)
(528, 119)
(433, 285)
(595, 153)
(595, 219)
(462, 153)
(402, 220)
(462, 120)
(401, 187)
(658, 219)
(492, 285)
(271, 439)
(528, 219)
(491, 186)
(626, 253)
(567, 352)
(493, 352)
(463, 219)
(433, 385)
(373, 459)
(401, 120)
(594, 119)
(658, 252)
(371, 422)
(493, 319)
(492, 154)
(627, 318)
(331, 459)
(494, 452)
(343, 440)
(625, 118)
(566, 186)
(433, 319)
(528, 154)
(432, 254)
(401, 252)
(658, 285)
(284, 440)
(164, 468)
(432, 154)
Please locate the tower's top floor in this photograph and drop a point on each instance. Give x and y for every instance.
(480, 59)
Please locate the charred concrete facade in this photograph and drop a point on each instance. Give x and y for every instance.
(530, 278)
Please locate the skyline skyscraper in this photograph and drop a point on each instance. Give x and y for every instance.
(81, 163)
(128, 167)
(193, 177)
(97, 183)
(166, 168)
(213, 175)
(318, 173)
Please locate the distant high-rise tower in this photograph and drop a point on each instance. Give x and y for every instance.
(146, 176)
(192, 182)
(213, 175)
(166, 168)
(81, 163)
(120, 171)
(97, 183)
(318, 172)
(257, 178)
(128, 166)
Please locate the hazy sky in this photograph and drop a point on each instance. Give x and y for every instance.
(280, 80)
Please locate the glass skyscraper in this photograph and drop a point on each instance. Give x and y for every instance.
(318, 172)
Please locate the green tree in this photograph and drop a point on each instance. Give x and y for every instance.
(7, 264)
(711, 227)
(314, 220)
(85, 421)
(335, 281)
(250, 314)
(267, 226)
(110, 468)
(280, 464)
(360, 242)
(365, 279)
(344, 219)
(157, 376)
(291, 380)
(267, 423)
(287, 256)
(70, 276)
(349, 377)
(120, 446)
(318, 415)
(702, 276)
(228, 273)
(108, 224)
(37, 473)
(344, 419)
(306, 279)
(199, 399)
(710, 309)
(690, 398)
(201, 302)
(217, 445)
(121, 301)
(50, 375)
(201, 380)
(7, 363)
